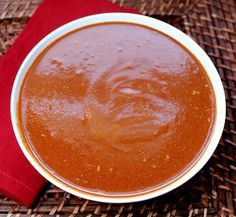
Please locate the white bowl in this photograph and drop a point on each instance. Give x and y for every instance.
(167, 29)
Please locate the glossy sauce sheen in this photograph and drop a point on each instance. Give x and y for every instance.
(116, 108)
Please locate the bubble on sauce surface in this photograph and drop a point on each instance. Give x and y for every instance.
(43, 135)
(120, 49)
(56, 61)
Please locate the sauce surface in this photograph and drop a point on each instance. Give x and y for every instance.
(116, 108)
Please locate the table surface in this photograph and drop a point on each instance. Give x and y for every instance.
(212, 24)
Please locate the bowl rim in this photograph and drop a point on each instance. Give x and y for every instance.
(160, 26)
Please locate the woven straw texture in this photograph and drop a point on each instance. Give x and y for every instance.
(212, 192)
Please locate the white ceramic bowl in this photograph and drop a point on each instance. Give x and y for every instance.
(174, 33)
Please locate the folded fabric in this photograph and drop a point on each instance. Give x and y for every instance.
(18, 179)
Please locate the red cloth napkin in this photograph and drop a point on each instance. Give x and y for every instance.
(18, 179)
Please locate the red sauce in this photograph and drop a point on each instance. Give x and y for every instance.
(116, 108)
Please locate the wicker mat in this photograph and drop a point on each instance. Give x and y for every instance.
(212, 192)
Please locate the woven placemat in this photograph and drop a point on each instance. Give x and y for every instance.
(212, 192)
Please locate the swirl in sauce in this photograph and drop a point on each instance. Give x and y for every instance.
(116, 108)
